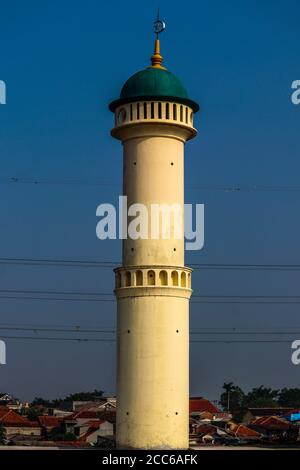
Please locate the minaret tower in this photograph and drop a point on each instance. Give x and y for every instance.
(153, 120)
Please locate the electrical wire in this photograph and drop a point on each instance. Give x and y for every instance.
(113, 264)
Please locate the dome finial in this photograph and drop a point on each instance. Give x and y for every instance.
(156, 58)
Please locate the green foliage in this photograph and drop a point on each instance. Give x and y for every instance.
(33, 413)
(2, 435)
(106, 443)
(57, 435)
(41, 401)
(234, 398)
(79, 396)
(289, 397)
(84, 396)
(262, 397)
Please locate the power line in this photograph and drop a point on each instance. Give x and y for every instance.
(113, 264)
(193, 331)
(211, 301)
(56, 330)
(90, 182)
(60, 299)
(59, 262)
(112, 340)
(46, 292)
(56, 181)
(203, 298)
(263, 267)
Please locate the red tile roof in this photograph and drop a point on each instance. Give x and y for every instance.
(95, 423)
(201, 404)
(86, 414)
(10, 418)
(243, 431)
(271, 422)
(49, 421)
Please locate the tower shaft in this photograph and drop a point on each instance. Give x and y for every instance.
(153, 119)
(153, 286)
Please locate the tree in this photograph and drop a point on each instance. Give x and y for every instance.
(33, 413)
(79, 396)
(84, 396)
(289, 397)
(41, 401)
(262, 397)
(233, 399)
(2, 435)
(57, 435)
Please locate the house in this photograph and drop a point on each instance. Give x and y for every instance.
(15, 424)
(49, 423)
(95, 410)
(223, 416)
(92, 430)
(108, 402)
(68, 425)
(202, 415)
(276, 428)
(243, 432)
(200, 404)
(255, 413)
(8, 400)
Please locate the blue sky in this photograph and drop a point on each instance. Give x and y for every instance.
(63, 62)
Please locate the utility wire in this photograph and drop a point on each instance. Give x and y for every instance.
(31, 294)
(82, 299)
(193, 331)
(112, 340)
(91, 182)
(113, 264)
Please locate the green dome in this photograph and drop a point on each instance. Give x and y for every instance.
(153, 83)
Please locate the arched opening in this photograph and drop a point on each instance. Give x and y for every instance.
(163, 278)
(174, 112)
(159, 111)
(145, 110)
(127, 278)
(181, 113)
(151, 278)
(122, 115)
(183, 279)
(189, 280)
(186, 115)
(191, 118)
(167, 111)
(138, 110)
(152, 110)
(174, 277)
(139, 278)
(118, 280)
(131, 114)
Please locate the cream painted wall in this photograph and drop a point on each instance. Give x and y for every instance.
(153, 322)
(153, 378)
